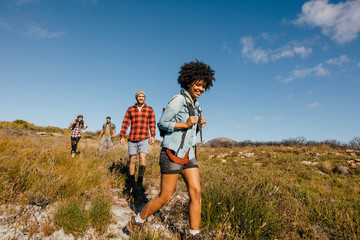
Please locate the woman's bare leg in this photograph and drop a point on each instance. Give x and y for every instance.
(168, 185)
(192, 179)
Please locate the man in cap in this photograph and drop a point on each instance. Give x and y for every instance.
(142, 118)
(108, 131)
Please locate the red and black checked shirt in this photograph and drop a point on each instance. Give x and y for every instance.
(140, 123)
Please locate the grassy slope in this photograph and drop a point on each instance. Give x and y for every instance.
(282, 198)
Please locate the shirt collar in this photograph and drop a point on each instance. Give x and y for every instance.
(188, 94)
(137, 106)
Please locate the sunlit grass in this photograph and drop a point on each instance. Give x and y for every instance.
(262, 192)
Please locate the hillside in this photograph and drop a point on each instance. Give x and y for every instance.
(221, 142)
(251, 192)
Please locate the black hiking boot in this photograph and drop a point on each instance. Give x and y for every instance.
(139, 187)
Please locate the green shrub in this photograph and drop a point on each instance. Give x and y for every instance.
(100, 213)
(72, 217)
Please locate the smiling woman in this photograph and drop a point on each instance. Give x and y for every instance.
(181, 121)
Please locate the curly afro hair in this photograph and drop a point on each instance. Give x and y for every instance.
(194, 71)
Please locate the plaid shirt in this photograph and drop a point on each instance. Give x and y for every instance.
(140, 123)
(76, 132)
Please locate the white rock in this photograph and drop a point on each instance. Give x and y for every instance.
(306, 162)
(341, 170)
(121, 215)
(60, 235)
(248, 155)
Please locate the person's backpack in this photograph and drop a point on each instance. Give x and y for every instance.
(191, 113)
(112, 125)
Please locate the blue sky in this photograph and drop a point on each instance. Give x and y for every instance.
(284, 69)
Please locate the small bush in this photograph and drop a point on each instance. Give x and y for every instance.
(100, 213)
(72, 217)
(326, 167)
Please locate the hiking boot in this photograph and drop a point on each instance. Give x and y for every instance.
(128, 191)
(140, 187)
(131, 226)
(73, 155)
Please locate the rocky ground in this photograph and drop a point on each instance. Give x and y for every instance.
(35, 222)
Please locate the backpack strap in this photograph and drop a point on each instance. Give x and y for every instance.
(191, 113)
(199, 127)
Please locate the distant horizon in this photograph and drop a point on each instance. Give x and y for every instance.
(159, 138)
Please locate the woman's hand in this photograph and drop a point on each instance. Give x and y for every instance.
(202, 121)
(191, 121)
(185, 125)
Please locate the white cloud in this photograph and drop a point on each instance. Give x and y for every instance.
(38, 32)
(313, 105)
(260, 55)
(291, 51)
(271, 38)
(258, 118)
(341, 21)
(339, 60)
(257, 55)
(290, 95)
(277, 118)
(319, 70)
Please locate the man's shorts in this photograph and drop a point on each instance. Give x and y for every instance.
(138, 147)
(169, 167)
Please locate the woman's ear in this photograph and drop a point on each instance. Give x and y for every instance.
(189, 86)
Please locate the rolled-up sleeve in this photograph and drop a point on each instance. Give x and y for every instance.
(167, 120)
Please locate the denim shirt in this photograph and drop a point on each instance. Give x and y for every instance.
(177, 112)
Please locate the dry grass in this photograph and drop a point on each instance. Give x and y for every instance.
(282, 198)
(266, 195)
(47, 228)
